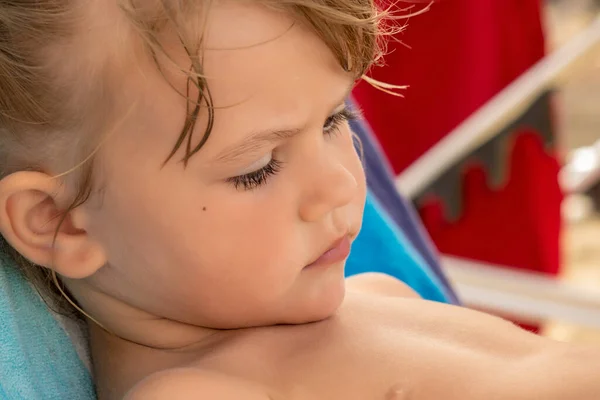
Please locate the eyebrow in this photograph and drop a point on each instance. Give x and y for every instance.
(256, 141)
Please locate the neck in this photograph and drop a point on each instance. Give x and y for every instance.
(137, 326)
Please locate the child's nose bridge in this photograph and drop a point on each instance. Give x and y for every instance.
(332, 185)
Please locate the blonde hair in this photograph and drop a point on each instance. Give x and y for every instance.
(40, 108)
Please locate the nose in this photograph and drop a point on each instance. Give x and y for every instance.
(332, 186)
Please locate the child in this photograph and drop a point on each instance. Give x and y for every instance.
(211, 195)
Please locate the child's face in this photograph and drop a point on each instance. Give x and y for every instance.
(186, 244)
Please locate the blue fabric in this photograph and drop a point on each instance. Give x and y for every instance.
(37, 358)
(381, 247)
(380, 180)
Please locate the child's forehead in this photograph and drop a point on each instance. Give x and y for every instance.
(263, 54)
(108, 59)
(263, 71)
(236, 42)
(252, 56)
(243, 25)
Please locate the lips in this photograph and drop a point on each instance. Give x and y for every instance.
(337, 252)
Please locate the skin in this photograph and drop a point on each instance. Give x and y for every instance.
(205, 287)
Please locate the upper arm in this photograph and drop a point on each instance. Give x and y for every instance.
(382, 284)
(194, 384)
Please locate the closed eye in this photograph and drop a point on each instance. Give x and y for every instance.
(334, 121)
(261, 176)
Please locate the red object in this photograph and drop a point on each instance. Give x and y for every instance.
(462, 53)
(517, 225)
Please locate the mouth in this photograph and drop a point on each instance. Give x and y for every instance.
(338, 251)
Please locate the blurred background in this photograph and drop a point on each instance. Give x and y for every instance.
(497, 143)
(579, 128)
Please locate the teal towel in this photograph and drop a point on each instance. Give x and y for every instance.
(382, 247)
(37, 358)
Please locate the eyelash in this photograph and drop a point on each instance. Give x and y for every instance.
(259, 177)
(334, 122)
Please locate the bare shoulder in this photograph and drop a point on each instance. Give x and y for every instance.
(376, 283)
(192, 384)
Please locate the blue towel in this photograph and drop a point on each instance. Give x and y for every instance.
(382, 247)
(380, 181)
(37, 358)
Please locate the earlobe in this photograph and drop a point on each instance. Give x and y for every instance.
(33, 221)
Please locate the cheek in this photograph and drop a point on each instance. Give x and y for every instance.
(206, 244)
(216, 232)
(354, 164)
(243, 249)
(256, 229)
(362, 182)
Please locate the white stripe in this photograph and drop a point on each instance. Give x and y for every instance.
(529, 297)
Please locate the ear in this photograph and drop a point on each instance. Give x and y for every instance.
(32, 220)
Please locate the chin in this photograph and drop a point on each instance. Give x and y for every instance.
(320, 301)
(311, 316)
